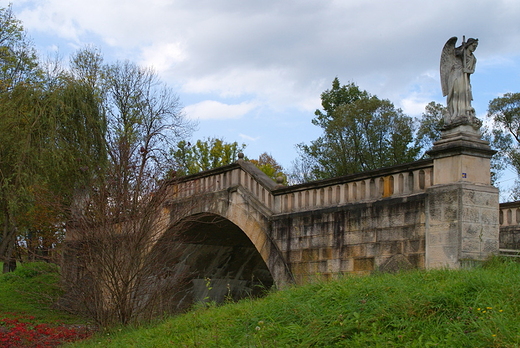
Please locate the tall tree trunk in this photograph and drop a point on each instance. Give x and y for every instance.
(7, 244)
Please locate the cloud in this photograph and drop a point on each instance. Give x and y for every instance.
(248, 137)
(214, 110)
(163, 56)
(282, 53)
(234, 60)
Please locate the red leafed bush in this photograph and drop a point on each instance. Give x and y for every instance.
(19, 332)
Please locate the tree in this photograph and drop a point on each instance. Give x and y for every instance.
(144, 120)
(124, 256)
(123, 276)
(18, 59)
(267, 164)
(49, 129)
(204, 155)
(430, 125)
(361, 132)
(505, 112)
(23, 125)
(50, 139)
(143, 117)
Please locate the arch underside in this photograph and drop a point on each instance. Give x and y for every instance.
(226, 245)
(220, 261)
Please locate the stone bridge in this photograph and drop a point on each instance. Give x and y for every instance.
(244, 232)
(248, 230)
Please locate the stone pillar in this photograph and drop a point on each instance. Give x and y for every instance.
(462, 224)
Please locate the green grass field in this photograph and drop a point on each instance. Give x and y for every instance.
(441, 308)
(32, 290)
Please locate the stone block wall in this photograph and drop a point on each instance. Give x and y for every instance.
(462, 224)
(385, 235)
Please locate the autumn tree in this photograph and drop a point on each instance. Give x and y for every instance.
(267, 164)
(360, 132)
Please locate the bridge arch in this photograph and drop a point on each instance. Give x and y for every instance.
(219, 259)
(226, 239)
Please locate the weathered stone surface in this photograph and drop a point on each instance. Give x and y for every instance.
(396, 263)
(359, 236)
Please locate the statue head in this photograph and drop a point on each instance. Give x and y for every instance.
(471, 43)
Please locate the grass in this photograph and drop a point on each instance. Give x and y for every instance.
(32, 290)
(440, 308)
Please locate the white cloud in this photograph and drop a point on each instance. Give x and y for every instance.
(276, 51)
(413, 105)
(163, 56)
(214, 110)
(248, 137)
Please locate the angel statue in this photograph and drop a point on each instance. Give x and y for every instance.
(457, 64)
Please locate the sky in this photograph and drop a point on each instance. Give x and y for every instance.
(253, 71)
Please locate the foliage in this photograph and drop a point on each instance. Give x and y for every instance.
(267, 164)
(361, 132)
(505, 112)
(442, 308)
(17, 66)
(50, 136)
(18, 60)
(430, 125)
(216, 152)
(51, 139)
(27, 314)
(20, 332)
(204, 155)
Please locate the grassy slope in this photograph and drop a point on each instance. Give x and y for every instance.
(31, 291)
(477, 308)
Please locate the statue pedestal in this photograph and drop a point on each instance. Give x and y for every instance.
(461, 156)
(462, 206)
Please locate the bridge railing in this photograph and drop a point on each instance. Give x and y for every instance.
(395, 181)
(368, 186)
(239, 174)
(509, 214)
(509, 220)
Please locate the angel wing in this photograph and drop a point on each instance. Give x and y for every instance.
(448, 63)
